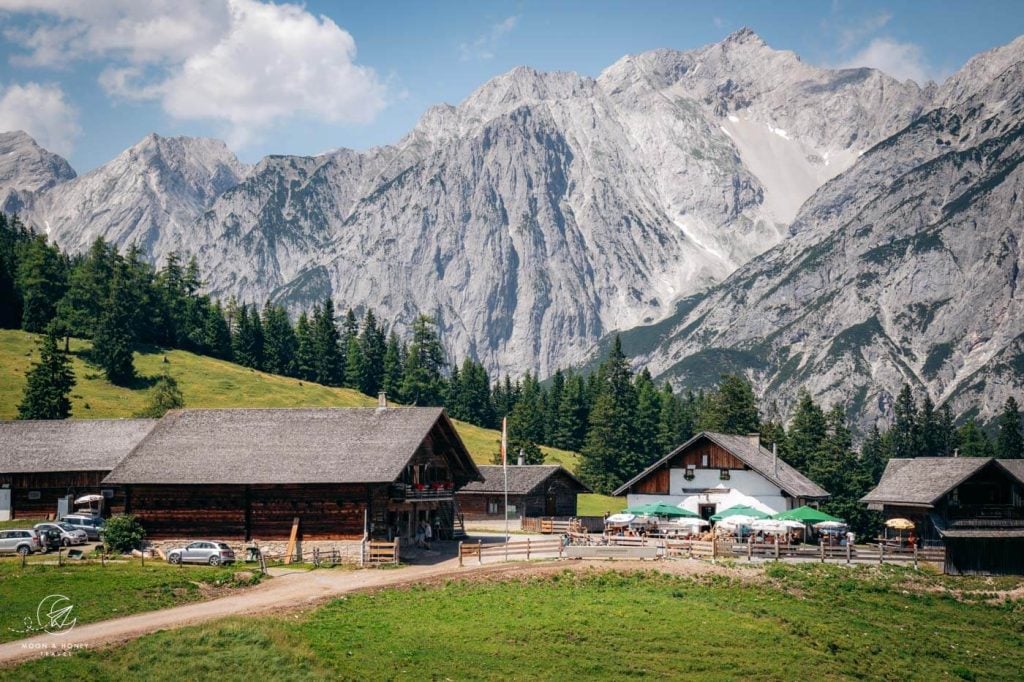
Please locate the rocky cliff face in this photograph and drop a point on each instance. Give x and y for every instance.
(27, 169)
(905, 268)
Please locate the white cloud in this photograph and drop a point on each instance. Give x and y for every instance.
(485, 45)
(43, 112)
(246, 64)
(901, 60)
(852, 34)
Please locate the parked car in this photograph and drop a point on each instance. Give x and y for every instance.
(68, 534)
(92, 525)
(202, 552)
(50, 539)
(20, 541)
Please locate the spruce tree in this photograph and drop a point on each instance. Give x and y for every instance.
(806, 433)
(391, 381)
(609, 455)
(373, 346)
(573, 415)
(305, 356)
(49, 384)
(88, 287)
(906, 432)
(874, 454)
(946, 438)
(349, 345)
(422, 383)
(41, 280)
(930, 435)
(974, 442)
(648, 418)
(672, 431)
(13, 236)
(165, 395)
(526, 422)
(1010, 441)
(327, 350)
(279, 342)
(112, 345)
(216, 335)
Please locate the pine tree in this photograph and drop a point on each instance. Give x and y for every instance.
(1010, 441)
(113, 342)
(330, 364)
(573, 415)
(349, 345)
(928, 429)
(610, 454)
(732, 408)
(42, 280)
(216, 335)
(165, 395)
(13, 237)
(946, 438)
(673, 430)
(906, 433)
(552, 400)
(279, 342)
(974, 442)
(49, 384)
(391, 381)
(648, 418)
(807, 431)
(874, 454)
(421, 380)
(247, 343)
(526, 422)
(373, 346)
(88, 287)
(773, 436)
(305, 359)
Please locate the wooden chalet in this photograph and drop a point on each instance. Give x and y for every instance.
(249, 473)
(712, 470)
(533, 490)
(974, 506)
(43, 461)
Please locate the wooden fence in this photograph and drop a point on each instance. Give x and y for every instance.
(377, 552)
(561, 525)
(508, 550)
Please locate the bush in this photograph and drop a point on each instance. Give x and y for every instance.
(123, 533)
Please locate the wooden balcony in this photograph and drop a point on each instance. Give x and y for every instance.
(406, 492)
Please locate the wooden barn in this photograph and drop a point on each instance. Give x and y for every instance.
(42, 461)
(533, 490)
(714, 471)
(974, 506)
(248, 473)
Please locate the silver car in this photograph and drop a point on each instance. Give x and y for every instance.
(20, 541)
(202, 552)
(69, 535)
(92, 525)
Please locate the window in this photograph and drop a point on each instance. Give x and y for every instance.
(492, 507)
(34, 495)
(704, 460)
(723, 474)
(689, 474)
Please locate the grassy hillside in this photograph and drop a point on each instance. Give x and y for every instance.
(204, 382)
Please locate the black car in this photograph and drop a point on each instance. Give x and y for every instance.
(51, 538)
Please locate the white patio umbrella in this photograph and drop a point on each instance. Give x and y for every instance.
(619, 520)
(829, 525)
(768, 526)
(89, 499)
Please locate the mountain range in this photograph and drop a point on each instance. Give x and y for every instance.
(734, 207)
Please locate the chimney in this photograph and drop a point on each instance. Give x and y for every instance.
(522, 457)
(382, 401)
(755, 439)
(956, 452)
(775, 459)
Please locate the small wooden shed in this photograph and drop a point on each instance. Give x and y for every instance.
(533, 490)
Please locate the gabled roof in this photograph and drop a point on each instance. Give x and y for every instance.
(922, 481)
(46, 446)
(753, 455)
(298, 445)
(522, 479)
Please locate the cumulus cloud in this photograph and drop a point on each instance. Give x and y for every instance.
(43, 112)
(486, 44)
(246, 64)
(900, 60)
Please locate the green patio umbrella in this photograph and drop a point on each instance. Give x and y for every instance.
(739, 510)
(660, 509)
(805, 514)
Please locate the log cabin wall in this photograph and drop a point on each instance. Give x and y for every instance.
(263, 512)
(716, 456)
(34, 495)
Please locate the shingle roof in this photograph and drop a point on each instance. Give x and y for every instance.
(753, 455)
(68, 444)
(923, 480)
(522, 480)
(298, 445)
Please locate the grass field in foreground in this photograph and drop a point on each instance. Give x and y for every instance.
(100, 592)
(806, 622)
(204, 382)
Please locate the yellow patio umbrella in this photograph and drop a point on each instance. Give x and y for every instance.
(901, 525)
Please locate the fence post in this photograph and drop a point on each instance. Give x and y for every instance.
(397, 546)
(750, 548)
(480, 550)
(460, 553)
(561, 547)
(527, 549)
(849, 550)
(821, 543)
(881, 553)
(776, 547)
(714, 550)
(915, 556)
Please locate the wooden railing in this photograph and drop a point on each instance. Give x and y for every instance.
(404, 491)
(507, 550)
(378, 552)
(561, 525)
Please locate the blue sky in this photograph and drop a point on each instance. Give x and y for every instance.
(89, 79)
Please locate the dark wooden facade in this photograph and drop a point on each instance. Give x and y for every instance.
(554, 496)
(995, 555)
(704, 454)
(35, 495)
